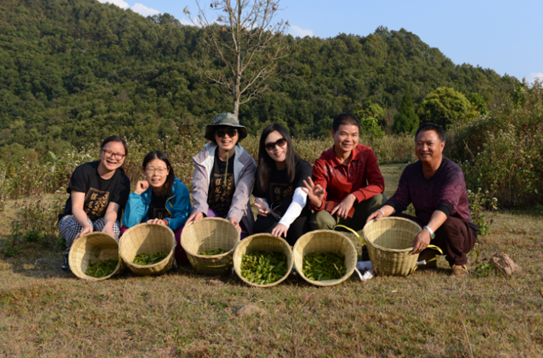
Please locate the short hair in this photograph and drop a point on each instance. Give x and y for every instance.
(345, 118)
(431, 127)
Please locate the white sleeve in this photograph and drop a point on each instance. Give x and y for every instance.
(295, 208)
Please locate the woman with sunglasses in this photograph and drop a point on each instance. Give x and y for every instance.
(283, 209)
(98, 191)
(160, 198)
(223, 175)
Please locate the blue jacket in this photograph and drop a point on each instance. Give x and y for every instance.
(178, 205)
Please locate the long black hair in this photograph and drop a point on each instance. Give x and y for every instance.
(168, 184)
(266, 163)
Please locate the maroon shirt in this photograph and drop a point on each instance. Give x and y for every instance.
(444, 191)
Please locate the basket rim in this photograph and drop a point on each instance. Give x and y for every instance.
(83, 275)
(220, 256)
(130, 263)
(382, 248)
(327, 282)
(248, 241)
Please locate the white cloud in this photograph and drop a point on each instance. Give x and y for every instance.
(299, 32)
(120, 3)
(532, 76)
(144, 10)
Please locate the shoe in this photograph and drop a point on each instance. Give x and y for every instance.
(460, 271)
(427, 255)
(66, 264)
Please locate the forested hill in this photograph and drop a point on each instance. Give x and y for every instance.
(73, 71)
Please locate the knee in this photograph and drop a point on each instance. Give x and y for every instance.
(322, 220)
(378, 201)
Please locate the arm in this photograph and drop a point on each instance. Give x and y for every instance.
(320, 180)
(135, 211)
(372, 173)
(181, 208)
(238, 207)
(398, 203)
(200, 188)
(423, 238)
(78, 200)
(110, 217)
(299, 200)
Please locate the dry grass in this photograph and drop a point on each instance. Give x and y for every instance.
(44, 312)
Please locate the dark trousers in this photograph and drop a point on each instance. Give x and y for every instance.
(455, 237)
(299, 227)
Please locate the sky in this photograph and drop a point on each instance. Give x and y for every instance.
(505, 36)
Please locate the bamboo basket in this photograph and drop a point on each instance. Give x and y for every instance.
(148, 239)
(262, 242)
(210, 234)
(95, 246)
(389, 245)
(321, 241)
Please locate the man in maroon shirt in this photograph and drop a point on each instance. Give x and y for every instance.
(347, 184)
(436, 187)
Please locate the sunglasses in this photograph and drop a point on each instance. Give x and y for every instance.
(232, 132)
(280, 143)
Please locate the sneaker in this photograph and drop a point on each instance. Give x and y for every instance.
(460, 271)
(66, 264)
(427, 255)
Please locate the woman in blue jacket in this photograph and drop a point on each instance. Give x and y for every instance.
(160, 198)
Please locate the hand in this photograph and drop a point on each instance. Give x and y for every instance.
(342, 209)
(195, 217)
(141, 186)
(236, 224)
(377, 215)
(86, 230)
(314, 192)
(263, 209)
(108, 229)
(421, 241)
(157, 221)
(280, 230)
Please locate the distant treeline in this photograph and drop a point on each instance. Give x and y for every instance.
(75, 71)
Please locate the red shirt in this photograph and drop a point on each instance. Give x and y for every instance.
(361, 176)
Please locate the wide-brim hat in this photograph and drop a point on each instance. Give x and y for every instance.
(225, 119)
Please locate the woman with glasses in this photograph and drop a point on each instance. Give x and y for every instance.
(98, 191)
(160, 198)
(283, 209)
(223, 175)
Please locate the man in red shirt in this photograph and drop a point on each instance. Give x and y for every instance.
(347, 184)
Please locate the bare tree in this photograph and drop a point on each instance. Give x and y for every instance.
(243, 37)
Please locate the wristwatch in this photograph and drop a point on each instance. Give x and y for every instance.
(432, 234)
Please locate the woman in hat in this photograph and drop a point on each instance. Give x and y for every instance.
(283, 209)
(223, 175)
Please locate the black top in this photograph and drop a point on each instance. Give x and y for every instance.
(221, 191)
(98, 192)
(279, 189)
(157, 208)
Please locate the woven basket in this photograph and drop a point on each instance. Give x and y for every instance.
(389, 243)
(148, 239)
(210, 234)
(321, 241)
(266, 243)
(92, 247)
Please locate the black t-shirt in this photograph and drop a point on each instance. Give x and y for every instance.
(221, 190)
(280, 191)
(157, 207)
(98, 192)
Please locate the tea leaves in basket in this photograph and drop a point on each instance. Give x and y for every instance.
(324, 266)
(218, 251)
(146, 260)
(263, 267)
(101, 268)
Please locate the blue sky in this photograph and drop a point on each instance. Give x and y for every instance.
(506, 36)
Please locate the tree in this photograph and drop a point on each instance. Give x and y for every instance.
(245, 41)
(406, 120)
(444, 106)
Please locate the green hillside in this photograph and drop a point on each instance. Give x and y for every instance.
(76, 71)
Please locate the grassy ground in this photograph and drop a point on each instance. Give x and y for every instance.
(45, 312)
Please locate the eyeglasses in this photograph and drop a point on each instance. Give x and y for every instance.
(232, 132)
(280, 143)
(160, 170)
(109, 153)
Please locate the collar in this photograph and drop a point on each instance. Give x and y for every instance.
(355, 155)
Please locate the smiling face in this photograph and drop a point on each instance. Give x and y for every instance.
(428, 147)
(112, 155)
(156, 173)
(278, 153)
(345, 138)
(226, 138)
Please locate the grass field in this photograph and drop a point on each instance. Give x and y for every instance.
(44, 312)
